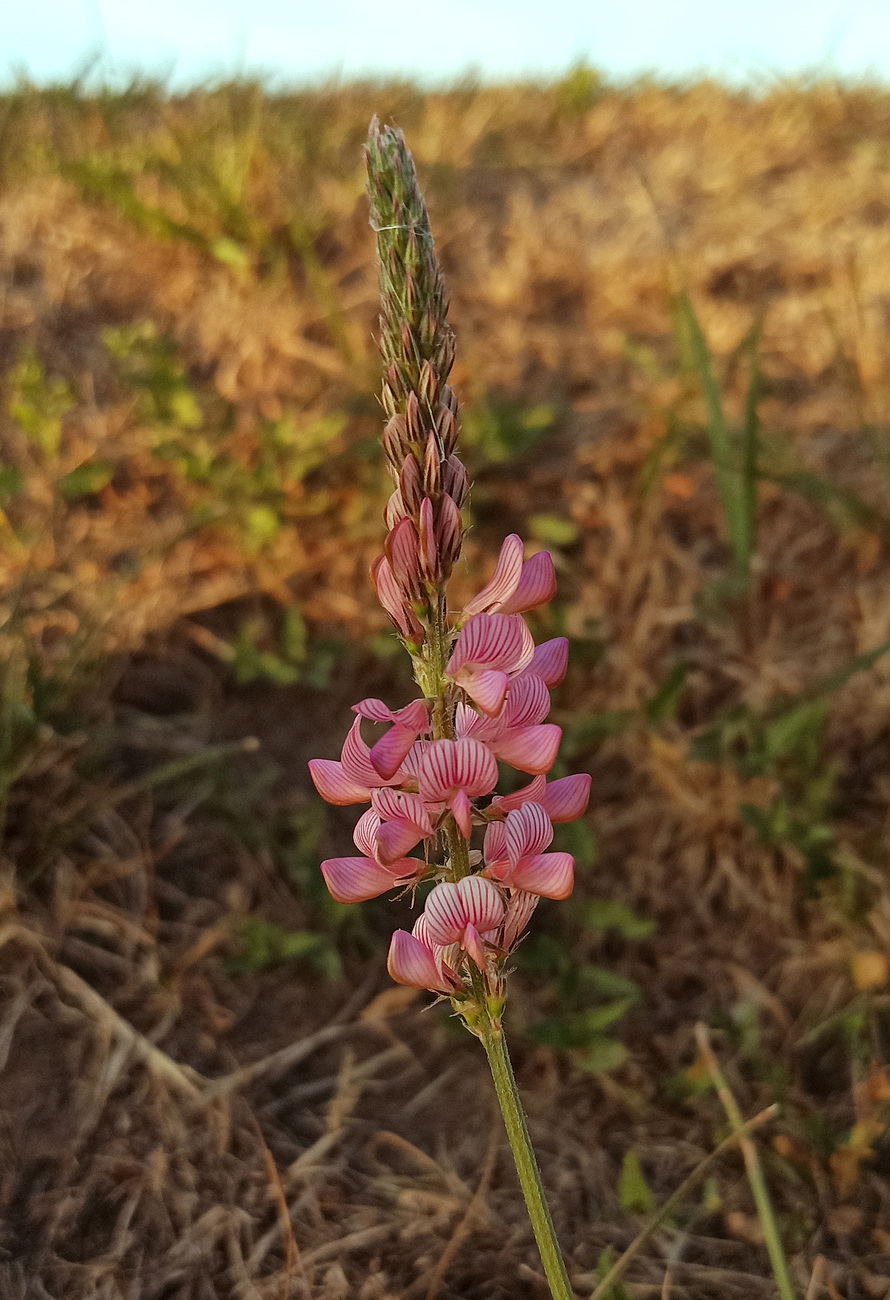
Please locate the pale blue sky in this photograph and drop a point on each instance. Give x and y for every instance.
(300, 39)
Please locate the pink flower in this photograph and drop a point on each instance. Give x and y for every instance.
(513, 854)
(465, 912)
(490, 649)
(455, 771)
(563, 800)
(516, 734)
(391, 750)
(416, 961)
(353, 880)
(549, 661)
(354, 777)
(406, 820)
(520, 908)
(515, 586)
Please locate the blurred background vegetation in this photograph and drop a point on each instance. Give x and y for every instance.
(673, 313)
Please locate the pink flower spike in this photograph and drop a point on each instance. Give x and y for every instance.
(333, 784)
(354, 880)
(503, 581)
(412, 963)
(566, 799)
(536, 586)
(550, 661)
(451, 765)
(492, 641)
(452, 906)
(531, 749)
(551, 875)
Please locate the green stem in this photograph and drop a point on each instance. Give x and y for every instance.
(526, 1165)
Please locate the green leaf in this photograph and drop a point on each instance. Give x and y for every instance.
(610, 914)
(553, 530)
(262, 944)
(90, 477)
(602, 1056)
(11, 482)
(633, 1190)
(663, 704)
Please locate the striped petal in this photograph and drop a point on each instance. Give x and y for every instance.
(452, 906)
(395, 838)
(393, 601)
(389, 752)
(463, 813)
(528, 701)
(503, 581)
(551, 875)
(334, 785)
(429, 552)
(413, 963)
(486, 687)
(537, 585)
(517, 916)
(550, 661)
(473, 945)
(494, 846)
(356, 758)
(449, 765)
(395, 510)
(354, 880)
(395, 805)
(401, 548)
(566, 799)
(492, 641)
(527, 831)
(531, 749)
(504, 803)
(365, 834)
(449, 528)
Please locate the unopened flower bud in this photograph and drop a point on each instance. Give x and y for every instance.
(447, 425)
(428, 385)
(402, 552)
(432, 466)
(395, 438)
(414, 420)
(455, 480)
(429, 552)
(449, 531)
(410, 484)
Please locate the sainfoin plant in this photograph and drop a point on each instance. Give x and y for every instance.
(431, 777)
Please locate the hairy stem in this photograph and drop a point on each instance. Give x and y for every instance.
(524, 1158)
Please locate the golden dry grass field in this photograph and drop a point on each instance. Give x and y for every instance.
(672, 309)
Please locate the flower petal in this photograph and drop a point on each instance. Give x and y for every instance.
(481, 901)
(449, 765)
(429, 553)
(463, 813)
(552, 875)
(537, 585)
(531, 749)
(391, 598)
(395, 838)
(334, 785)
(503, 581)
(356, 758)
(398, 805)
(472, 944)
(390, 751)
(401, 548)
(565, 799)
(550, 661)
(517, 916)
(365, 833)
(504, 803)
(486, 687)
(445, 914)
(413, 963)
(494, 846)
(528, 701)
(492, 641)
(527, 831)
(353, 880)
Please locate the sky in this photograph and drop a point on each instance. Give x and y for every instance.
(305, 40)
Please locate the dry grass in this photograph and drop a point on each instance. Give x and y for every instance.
(162, 1135)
